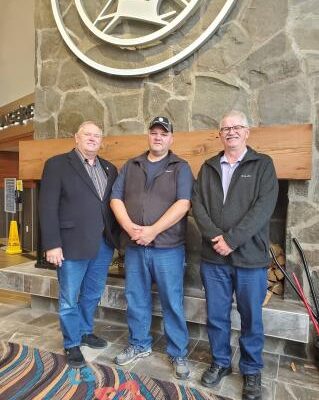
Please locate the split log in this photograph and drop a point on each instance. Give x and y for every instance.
(279, 275)
(275, 277)
(278, 288)
(267, 298)
(271, 275)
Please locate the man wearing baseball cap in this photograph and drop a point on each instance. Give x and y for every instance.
(150, 200)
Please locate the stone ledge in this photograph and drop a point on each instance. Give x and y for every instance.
(282, 319)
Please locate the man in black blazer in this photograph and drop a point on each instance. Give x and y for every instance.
(79, 234)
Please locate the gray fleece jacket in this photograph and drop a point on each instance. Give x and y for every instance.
(243, 219)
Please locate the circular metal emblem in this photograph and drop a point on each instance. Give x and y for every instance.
(119, 12)
(137, 37)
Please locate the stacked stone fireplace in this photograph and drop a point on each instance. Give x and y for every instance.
(264, 61)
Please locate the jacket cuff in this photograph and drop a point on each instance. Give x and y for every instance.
(213, 233)
(50, 246)
(231, 243)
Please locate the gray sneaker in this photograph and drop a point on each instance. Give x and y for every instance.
(131, 353)
(181, 370)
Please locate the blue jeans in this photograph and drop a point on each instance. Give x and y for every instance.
(81, 285)
(250, 286)
(166, 267)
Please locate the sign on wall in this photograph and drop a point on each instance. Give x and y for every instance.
(137, 37)
(10, 195)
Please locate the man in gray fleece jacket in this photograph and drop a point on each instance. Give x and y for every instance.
(233, 200)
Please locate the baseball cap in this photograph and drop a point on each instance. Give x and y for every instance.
(162, 121)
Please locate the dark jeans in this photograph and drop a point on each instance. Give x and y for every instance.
(82, 283)
(250, 287)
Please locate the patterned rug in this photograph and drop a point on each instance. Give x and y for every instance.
(27, 373)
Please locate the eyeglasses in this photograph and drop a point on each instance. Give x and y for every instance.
(236, 128)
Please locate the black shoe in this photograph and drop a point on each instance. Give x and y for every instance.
(74, 357)
(213, 375)
(93, 341)
(252, 387)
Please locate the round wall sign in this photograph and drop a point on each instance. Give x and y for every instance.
(137, 37)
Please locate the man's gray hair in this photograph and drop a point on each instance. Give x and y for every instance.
(235, 113)
(89, 123)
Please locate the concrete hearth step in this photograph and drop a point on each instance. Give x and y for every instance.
(282, 319)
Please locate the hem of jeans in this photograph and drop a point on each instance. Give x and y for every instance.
(147, 348)
(254, 372)
(177, 356)
(220, 364)
(73, 345)
(219, 361)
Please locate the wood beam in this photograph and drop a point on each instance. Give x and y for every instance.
(290, 146)
(10, 137)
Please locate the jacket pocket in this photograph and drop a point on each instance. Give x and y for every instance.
(261, 244)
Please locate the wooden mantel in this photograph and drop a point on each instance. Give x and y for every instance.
(290, 146)
(10, 137)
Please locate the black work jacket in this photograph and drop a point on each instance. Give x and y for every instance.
(72, 215)
(244, 218)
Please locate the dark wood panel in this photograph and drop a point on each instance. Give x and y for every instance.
(9, 165)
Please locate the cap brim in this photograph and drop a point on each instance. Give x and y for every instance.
(160, 124)
(168, 129)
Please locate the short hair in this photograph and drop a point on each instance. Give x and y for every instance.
(89, 123)
(235, 113)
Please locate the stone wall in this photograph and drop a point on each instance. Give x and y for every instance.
(264, 61)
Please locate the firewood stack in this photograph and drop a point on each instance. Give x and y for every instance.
(274, 276)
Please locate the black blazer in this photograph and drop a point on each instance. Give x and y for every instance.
(72, 215)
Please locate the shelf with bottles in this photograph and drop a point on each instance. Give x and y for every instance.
(16, 123)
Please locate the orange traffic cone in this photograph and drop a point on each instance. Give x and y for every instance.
(13, 246)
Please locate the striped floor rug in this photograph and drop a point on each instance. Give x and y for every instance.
(27, 373)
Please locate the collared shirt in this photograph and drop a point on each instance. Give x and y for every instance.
(228, 170)
(96, 173)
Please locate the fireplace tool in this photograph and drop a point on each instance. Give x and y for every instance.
(315, 314)
(315, 300)
(306, 304)
(310, 281)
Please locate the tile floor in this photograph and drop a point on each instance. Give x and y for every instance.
(289, 371)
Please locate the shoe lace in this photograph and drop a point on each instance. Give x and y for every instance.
(73, 350)
(91, 335)
(252, 380)
(178, 360)
(129, 349)
(214, 367)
